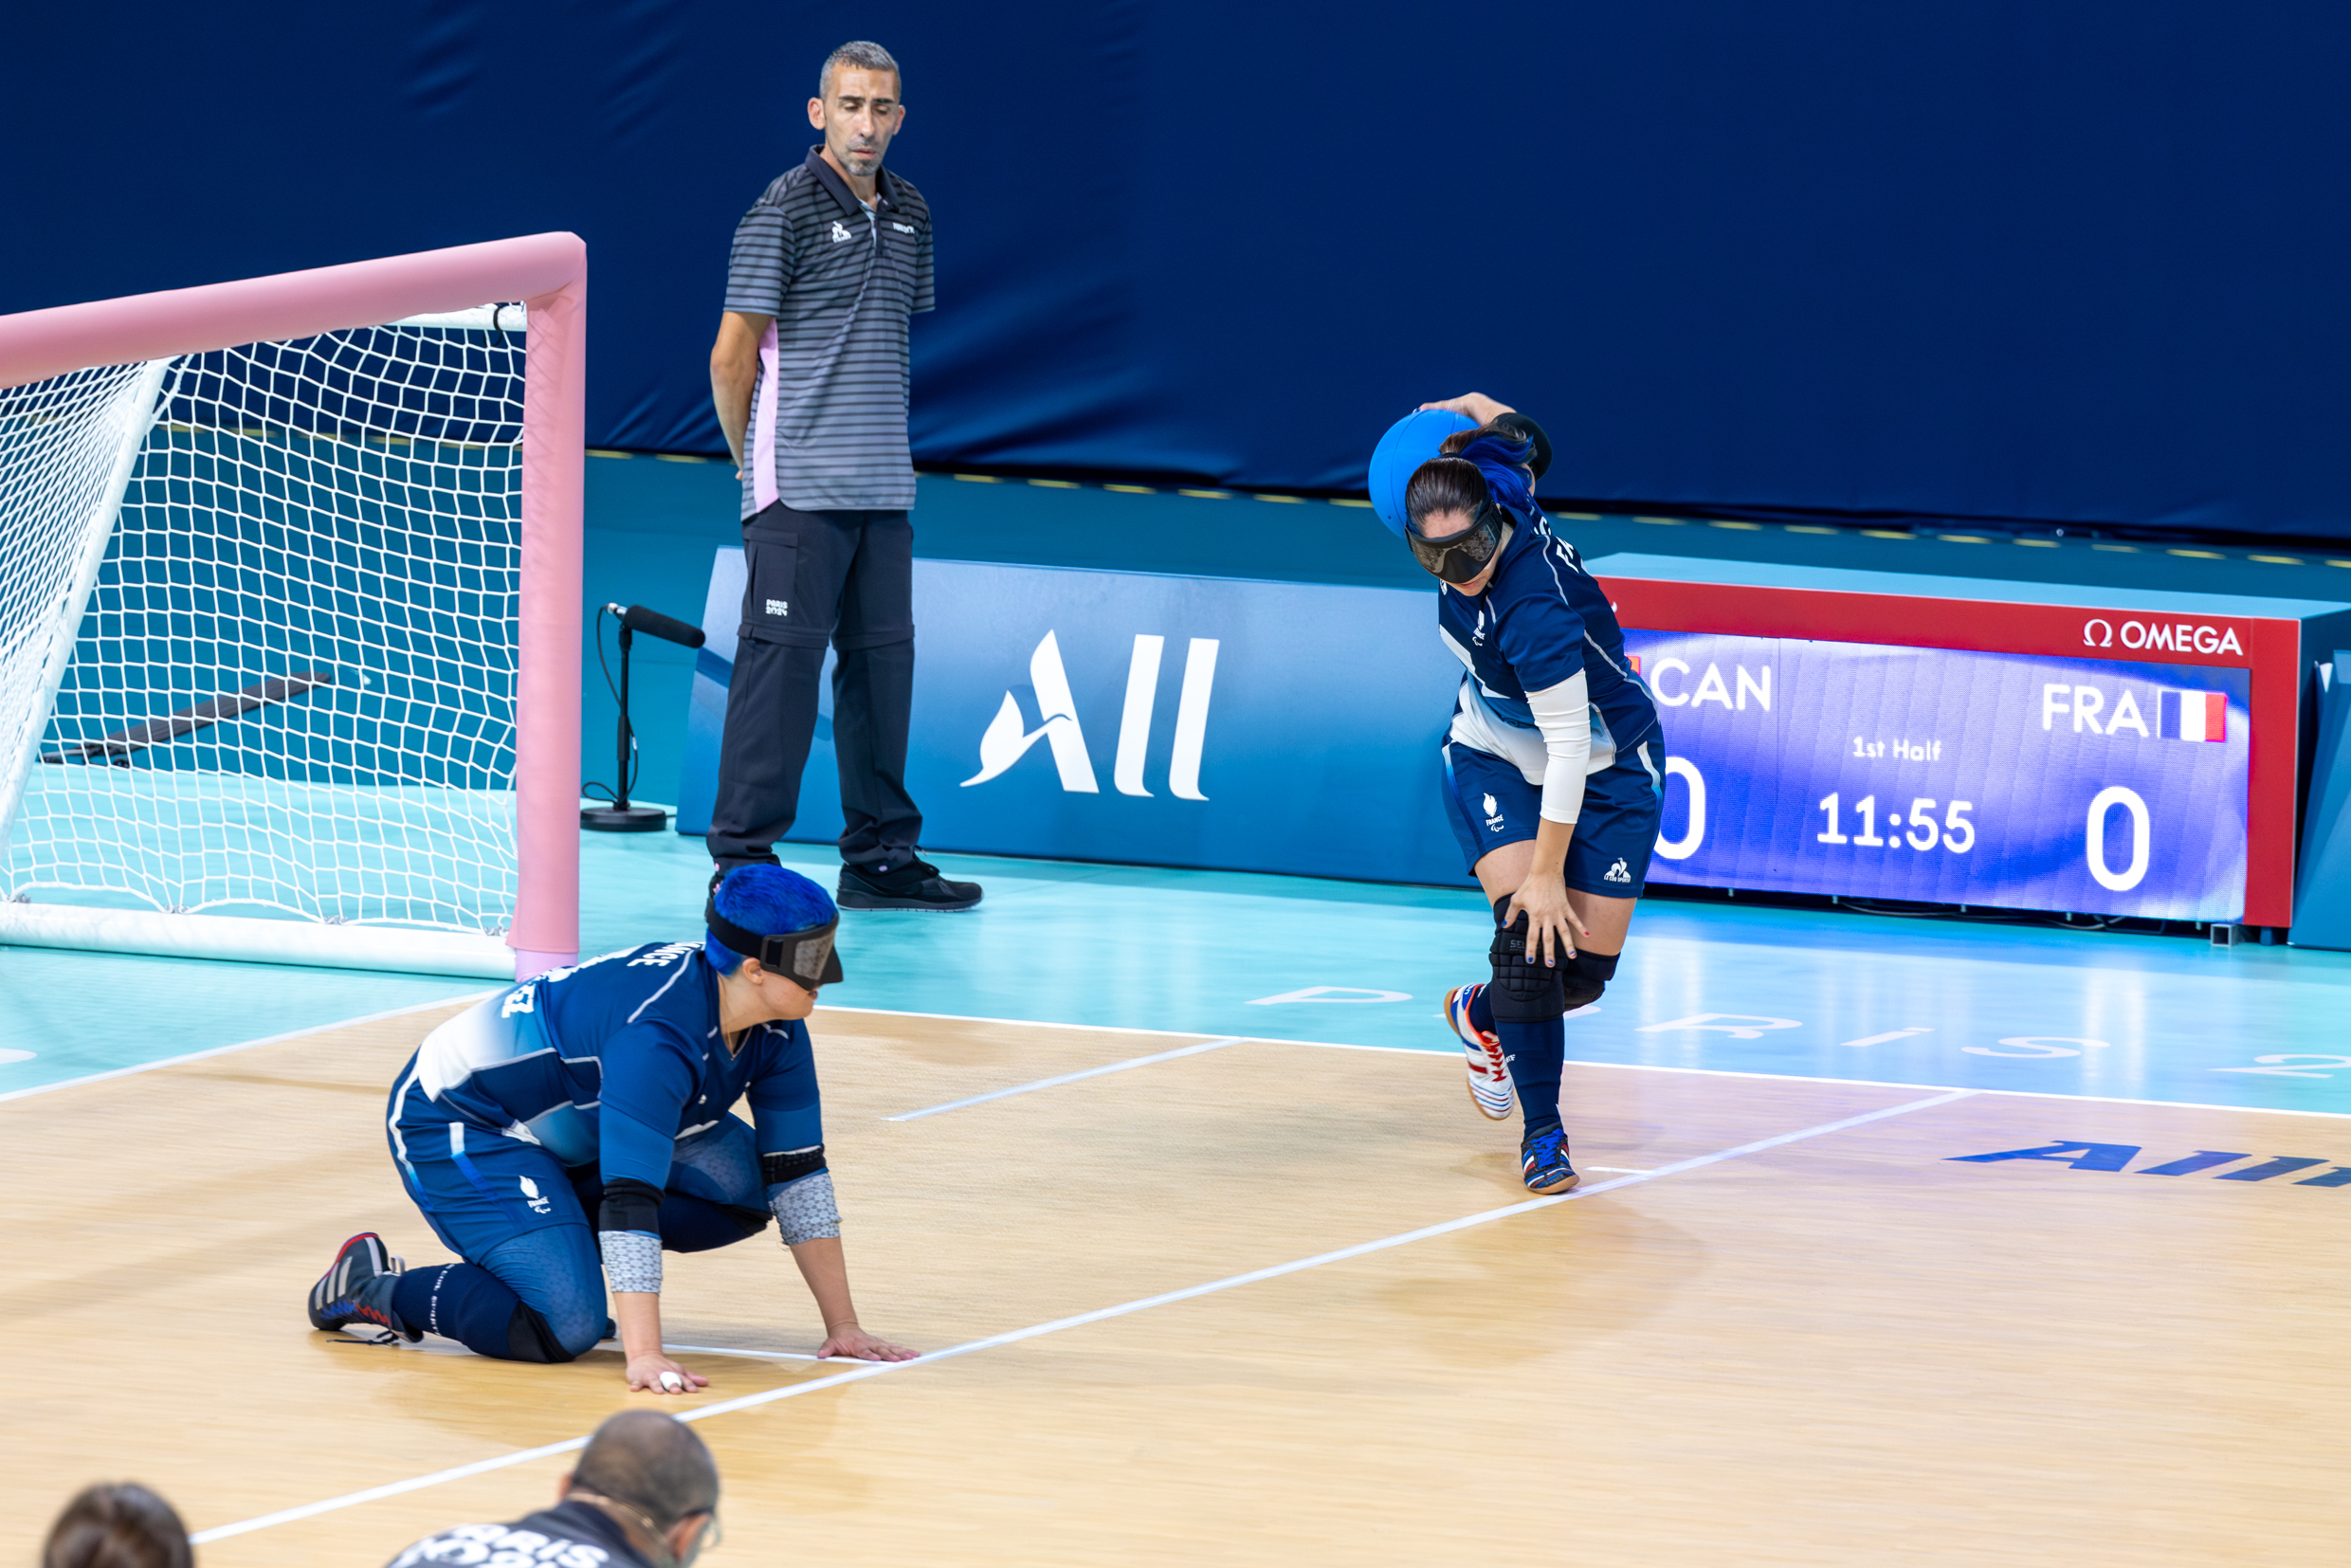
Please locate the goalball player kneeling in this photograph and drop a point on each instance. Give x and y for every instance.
(1551, 763)
(606, 1089)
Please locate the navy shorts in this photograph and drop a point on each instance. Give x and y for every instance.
(1490, 804)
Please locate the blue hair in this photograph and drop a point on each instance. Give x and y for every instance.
(1503, 462)
(769, 901)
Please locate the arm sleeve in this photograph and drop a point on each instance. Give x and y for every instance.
(759, 264)
(1563, 713)
(645, 1082)
(786, 1111)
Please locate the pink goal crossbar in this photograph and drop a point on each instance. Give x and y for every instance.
(549, 273)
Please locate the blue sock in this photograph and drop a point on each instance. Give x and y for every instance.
(1536, 1052)
(1482, 1013)
(462, 1302)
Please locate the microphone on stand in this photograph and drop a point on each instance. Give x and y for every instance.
(621, 817)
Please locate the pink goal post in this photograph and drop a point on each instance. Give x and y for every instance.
(290, 589)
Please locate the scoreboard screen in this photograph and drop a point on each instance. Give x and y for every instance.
(1952, 776)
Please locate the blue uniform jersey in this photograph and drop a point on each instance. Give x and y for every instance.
(1542, 619)
(608, 1063)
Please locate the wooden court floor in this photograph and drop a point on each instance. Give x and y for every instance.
(1846, 1348)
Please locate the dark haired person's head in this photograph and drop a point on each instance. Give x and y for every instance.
(651, 1471)
(117, 1525)
(1452, 518)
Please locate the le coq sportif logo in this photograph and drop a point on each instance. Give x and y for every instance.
(1009, 737)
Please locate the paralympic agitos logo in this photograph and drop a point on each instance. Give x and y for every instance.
(1008, 736)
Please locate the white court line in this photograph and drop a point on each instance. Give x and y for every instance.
(1066, 1078)
(1445, 1053)
(243, 1045)
(876, 1369)
(1620, 1170)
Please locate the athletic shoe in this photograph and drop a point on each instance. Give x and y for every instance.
(358, 1289)
(1489, 1070)
(1543, 1162)
(916, 884)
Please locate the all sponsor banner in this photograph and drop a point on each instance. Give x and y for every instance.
(1153, 720)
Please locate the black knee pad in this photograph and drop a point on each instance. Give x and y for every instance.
(1526, 991)
(1588, 976)
(530, 1338)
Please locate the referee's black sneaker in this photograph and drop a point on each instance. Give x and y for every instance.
(916, 884)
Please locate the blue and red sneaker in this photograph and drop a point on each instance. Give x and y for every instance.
(1489, 1074)
(358, 1289)
(1543, 1162)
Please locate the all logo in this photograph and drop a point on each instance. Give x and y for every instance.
(1493, 816)
(838, 233)
(540, 1203)
(1618, 872)
(1008, 736)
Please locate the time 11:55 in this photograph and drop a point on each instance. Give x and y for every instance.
(1955, 833)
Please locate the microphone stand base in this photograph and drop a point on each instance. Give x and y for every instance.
(622, 819)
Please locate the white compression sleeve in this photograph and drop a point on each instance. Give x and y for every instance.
(1563, 714)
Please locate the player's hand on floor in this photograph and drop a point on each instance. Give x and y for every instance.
(853, 1342)
(660, 1374)
(1552, 928)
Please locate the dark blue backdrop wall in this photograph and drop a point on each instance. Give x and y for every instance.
(2077, 261)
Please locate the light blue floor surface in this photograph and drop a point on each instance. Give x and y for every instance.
(1709, 987)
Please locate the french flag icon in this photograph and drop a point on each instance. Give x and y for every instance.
(2193, 716)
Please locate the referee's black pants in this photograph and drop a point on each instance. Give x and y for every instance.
(812, 578)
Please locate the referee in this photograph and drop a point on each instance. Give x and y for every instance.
(809, 376)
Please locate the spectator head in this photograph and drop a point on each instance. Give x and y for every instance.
(118, 1525)
(656, 1474)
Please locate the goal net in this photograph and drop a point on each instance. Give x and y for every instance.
(262, 648)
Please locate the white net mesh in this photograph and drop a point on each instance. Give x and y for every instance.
(292, 688)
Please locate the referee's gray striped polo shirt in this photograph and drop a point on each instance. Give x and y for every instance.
(829, 417)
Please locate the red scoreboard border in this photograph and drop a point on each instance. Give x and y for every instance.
(2271, 648)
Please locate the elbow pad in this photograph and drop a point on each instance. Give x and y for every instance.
(1533, 434)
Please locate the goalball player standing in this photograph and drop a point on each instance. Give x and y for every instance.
(607, 1090)
(1552, 762)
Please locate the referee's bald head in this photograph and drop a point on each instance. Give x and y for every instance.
(654, 1464)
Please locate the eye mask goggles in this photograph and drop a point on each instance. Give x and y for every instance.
(804, 957)
(1465, 554)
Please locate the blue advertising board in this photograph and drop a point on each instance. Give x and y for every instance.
(1293, 727)
(1948, 777)
(1145, 719)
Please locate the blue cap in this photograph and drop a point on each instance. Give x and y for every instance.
(1410, 442)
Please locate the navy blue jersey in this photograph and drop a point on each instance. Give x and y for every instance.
(1543, 618)
(610, 1062)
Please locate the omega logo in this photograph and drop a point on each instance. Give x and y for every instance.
(2163, 636)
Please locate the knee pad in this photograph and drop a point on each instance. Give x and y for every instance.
(1526, 991)
(532, 1337)
(1588, 976)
